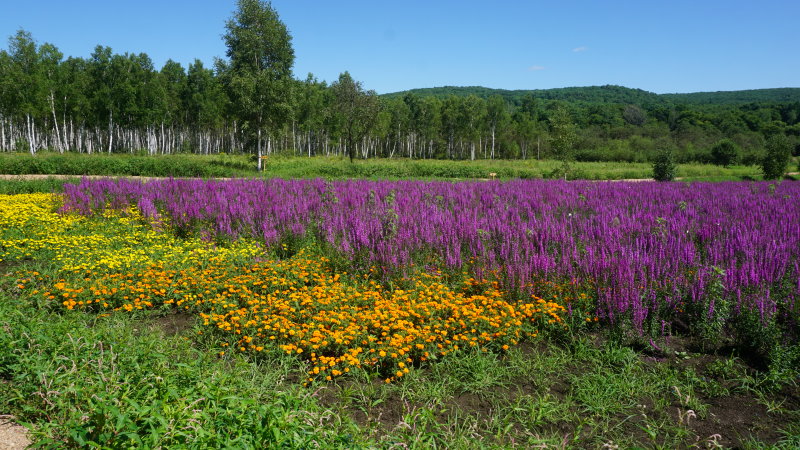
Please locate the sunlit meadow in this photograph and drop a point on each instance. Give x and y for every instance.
(394, 282)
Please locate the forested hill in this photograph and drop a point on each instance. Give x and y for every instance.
(777, 95)
(613, 94)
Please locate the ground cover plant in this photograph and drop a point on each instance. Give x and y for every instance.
(53, 163)
(286, 166)
(411, 310)
(37, 185)
(402, 168)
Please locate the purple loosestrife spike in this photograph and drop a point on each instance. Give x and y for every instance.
(636, 242)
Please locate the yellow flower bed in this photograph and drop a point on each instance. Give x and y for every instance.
(111, 243)
(335, 321)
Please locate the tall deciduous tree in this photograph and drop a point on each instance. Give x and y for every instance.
(725, 153)
(26, 93)
(634, 115)
(450, 123)
(50, 80)
(204, 97)
(173, 84)
(497, 116)
(472, 111)
(258, 72)
(563, 137)
(310, 112)
(356, 108)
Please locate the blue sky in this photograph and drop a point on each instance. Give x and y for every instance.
(676, 46)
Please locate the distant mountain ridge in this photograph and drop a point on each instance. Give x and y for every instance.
(614, 94)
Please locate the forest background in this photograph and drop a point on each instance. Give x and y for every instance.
(251, 102)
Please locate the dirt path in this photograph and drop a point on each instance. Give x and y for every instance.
(12, 436)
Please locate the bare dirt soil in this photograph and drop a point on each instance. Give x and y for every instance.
(12, 436)
(730, 420)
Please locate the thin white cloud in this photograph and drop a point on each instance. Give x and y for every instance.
(582, 48)
(535, 68)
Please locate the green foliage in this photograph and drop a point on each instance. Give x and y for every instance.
(599, 94)
(616, 94)
(109, 383)
(563, 138)
(725, 153)
(10, 187)
(258, 74)
(664, 167)
(334, 168)
(737, 97)
(120, 102)
(634, 115)
(147, 166)
(776, 159)
(356, 110)
(711, 313)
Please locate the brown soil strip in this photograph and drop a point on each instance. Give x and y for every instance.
(12, 436)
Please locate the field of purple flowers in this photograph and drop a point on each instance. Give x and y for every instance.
(650, 257)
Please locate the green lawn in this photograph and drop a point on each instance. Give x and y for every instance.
(336, 167)
(151, 380)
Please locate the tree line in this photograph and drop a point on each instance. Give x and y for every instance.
(250, 102)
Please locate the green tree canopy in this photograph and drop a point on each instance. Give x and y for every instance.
(355, 108)
(776, 160)
(563, 136)
(725, 153)
(258, 72)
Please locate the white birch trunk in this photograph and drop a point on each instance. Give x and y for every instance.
(493, 130)
(258, 145)
(110, 130)
(30, 134)
(55, 124)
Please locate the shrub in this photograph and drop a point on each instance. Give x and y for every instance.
(752, 157)
(725, 153)
(664, 166)
(777, 157)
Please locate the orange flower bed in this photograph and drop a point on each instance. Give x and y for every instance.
(337, 322)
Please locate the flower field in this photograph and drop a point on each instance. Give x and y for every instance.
(354, 281)
(643, 255)
(392, 274)
(119, 262)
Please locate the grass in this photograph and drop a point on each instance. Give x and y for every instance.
(401, 168)
(222, 165)
(48, 184)
(122, 382)
(76, 379)
(154, 378)
(125, 164)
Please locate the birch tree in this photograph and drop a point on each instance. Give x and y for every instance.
(258, 72)
(497, 117)
(357, 110)
(563, 137)
(25, 87)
